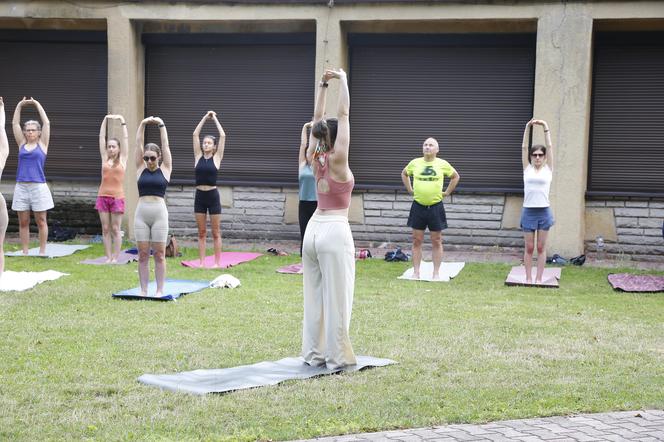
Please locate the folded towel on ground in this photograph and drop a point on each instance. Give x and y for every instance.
(19, 281)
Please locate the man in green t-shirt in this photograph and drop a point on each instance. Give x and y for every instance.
(427, 210)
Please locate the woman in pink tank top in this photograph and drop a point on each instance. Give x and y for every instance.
(110, 199)
(328, 252)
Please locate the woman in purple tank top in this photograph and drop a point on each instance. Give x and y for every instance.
(4, 153)
(31, 192)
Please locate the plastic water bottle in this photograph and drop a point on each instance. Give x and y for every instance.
(599, 241)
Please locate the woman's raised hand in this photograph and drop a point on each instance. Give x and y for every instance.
(331, 73)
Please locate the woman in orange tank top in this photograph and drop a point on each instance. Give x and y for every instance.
(110, 200)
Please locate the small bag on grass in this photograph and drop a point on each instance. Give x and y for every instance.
(172, 248)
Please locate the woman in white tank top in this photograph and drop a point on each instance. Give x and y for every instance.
(536, 215)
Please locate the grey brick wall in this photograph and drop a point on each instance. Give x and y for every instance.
(258, 213)
(638, 223)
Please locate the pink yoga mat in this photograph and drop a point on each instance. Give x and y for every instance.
(292, 268)
(550, 277)
(123, 258)
(637, 283)
(228, 259)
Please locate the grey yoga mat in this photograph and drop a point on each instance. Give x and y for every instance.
(261, 374)
(52, 251)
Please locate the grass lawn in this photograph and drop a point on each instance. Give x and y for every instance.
(472, 350)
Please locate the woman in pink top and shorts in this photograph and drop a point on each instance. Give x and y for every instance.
(110, 199)
(328, 252)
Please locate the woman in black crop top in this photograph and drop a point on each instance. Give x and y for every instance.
(207, 161)
(151, 218)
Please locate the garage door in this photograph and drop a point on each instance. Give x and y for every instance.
(627, 129)
(261, 87)
(474, 93)
(66, 71)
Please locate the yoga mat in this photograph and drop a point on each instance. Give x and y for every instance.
(447, 271)
(228, 259)
(173, 289)
(123, 258)
(19, 281)
(292, 268)
(636, 283)
(52, 251)
(250, 376)
(550, 278)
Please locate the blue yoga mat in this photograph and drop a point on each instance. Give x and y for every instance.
(173, 289)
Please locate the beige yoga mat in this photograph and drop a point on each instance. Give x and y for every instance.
(550, 278)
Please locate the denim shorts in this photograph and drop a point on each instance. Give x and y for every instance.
(536, 218)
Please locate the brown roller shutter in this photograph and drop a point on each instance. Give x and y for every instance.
(66, 71)
(627, 131)
(474, 93)
(261, 87)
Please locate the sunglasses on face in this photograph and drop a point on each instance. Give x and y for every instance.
(149, 158)
(537, 155)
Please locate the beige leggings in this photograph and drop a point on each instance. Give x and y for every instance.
(4, 217)
(328, 258)
(151, 221)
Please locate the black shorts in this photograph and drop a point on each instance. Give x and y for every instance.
(432, 217)
(207, 201)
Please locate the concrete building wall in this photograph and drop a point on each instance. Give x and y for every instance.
(628, 226)
(562, 91)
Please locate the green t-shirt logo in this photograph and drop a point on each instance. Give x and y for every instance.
(429, 171)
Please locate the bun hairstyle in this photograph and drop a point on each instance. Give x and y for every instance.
(151, 147)
(34, 122)
(326, 131)
(212, 137)
(535, 148)
(114, 139)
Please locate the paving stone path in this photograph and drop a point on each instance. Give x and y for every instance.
(642, 426)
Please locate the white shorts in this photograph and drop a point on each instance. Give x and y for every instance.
(32, 196)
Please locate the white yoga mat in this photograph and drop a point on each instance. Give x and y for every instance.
(448, 270)
(52, 251)
(20, 281)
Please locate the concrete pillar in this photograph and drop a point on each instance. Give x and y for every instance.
(125, 96)
(562, 98)
(331, 51)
